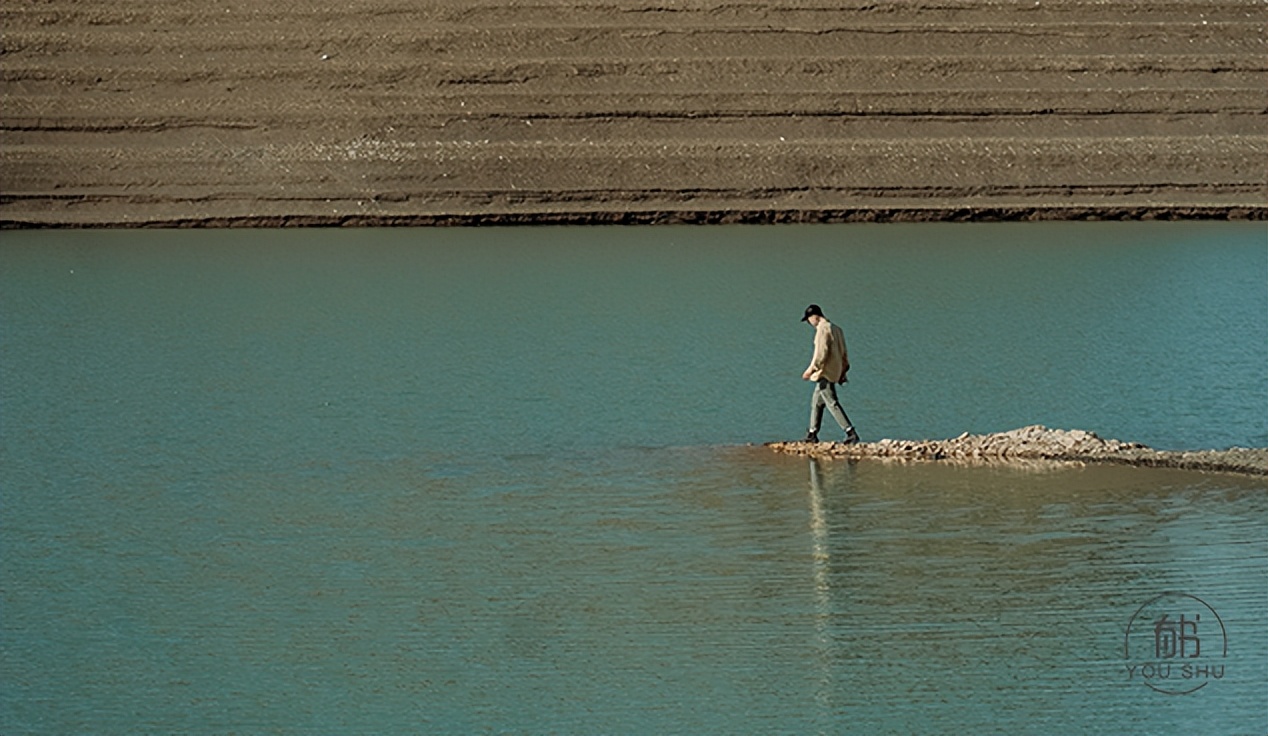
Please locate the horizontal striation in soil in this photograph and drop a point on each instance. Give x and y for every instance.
(129, 112)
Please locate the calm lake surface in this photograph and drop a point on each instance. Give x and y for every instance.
(500, 480)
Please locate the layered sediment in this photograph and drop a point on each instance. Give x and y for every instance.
(382, 112)
(1036, 443)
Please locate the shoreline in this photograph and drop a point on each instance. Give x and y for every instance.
(1036, 443)
(928, 214)
(477, 112)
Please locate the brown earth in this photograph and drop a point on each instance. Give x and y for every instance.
(241, 112)
(1036, 443)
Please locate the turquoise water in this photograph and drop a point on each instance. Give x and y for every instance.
(461, 481)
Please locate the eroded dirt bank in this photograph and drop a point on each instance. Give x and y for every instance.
(1036, 443)
(132, 112)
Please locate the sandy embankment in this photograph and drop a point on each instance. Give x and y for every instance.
(132, 112)
(1036, 443)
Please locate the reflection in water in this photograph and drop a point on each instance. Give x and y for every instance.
(821, 557)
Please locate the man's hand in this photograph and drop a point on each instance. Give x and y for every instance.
(806, 376)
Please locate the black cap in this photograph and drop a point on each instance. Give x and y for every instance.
(812, 310)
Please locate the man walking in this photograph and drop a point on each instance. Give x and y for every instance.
(827, 368)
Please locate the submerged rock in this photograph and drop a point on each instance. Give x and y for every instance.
(1036, 442)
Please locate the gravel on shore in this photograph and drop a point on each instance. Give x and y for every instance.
(1036, 442)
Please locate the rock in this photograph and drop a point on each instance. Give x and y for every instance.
(1036, 442)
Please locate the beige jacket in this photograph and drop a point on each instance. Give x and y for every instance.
(831, 360)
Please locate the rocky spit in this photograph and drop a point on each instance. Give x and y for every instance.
(1036, 443)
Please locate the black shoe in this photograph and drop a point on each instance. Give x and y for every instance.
(811, 437)
(851, 437)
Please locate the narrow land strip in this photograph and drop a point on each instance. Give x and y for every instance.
(1036, 443)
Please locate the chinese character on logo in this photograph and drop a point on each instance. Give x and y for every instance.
(1175, 638)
